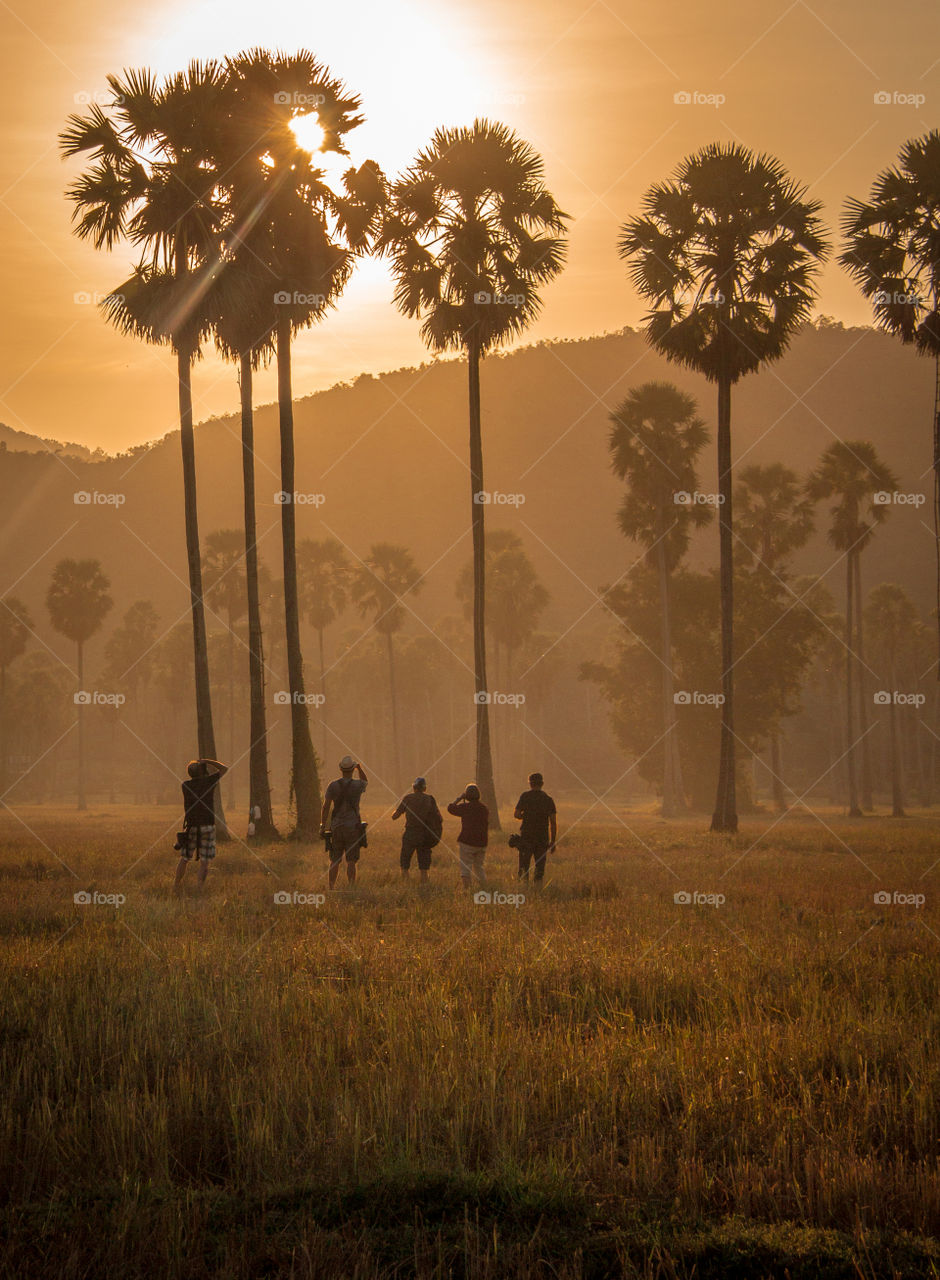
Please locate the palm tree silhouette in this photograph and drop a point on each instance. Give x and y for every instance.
(226, 591)
(894, 626)
(78, 603)
(851, 472)
(307, 235)
(726, 253)
(774, 518)
(893, 253)
(324, 572)
(15, 628)
(384, 577)
(473, 232)
(655, 441)
(153, 183)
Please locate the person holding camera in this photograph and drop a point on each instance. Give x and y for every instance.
(197, 839)
(536, 838)
(474, 833)
(423, 825)
(347, 831)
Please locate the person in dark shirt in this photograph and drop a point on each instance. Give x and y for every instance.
(422, 827)
(347, 830)
(474, 833)
(536, 810)
(199, 818)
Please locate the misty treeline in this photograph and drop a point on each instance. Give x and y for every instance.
(244, 239)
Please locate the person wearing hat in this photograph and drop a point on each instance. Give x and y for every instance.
(199, 818)
(348, 830)
(474, 833)
(423, 824)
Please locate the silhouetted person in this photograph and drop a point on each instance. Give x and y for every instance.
(199, 817)
(474, 833)
(423, 823)
(347, 828)
(539, 828)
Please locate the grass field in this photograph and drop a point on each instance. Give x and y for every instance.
(599, 1081)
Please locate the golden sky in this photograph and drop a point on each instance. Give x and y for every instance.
(597, 85)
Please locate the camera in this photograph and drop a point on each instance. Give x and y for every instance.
(515, 842)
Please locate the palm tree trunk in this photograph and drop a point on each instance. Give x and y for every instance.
(673, 800)
(259, 785)
(81, 728)
(3, 732)
(205, 732)
(776, 780)
(862, 690)
(854, 810)
(393, 691)
(231, 710)
(725, 817)
(484, 756)
(305, 781)
(322, 690)
(936, 483)
(897, 789)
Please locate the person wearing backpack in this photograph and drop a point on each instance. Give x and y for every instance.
(424, 823)
(347, 830)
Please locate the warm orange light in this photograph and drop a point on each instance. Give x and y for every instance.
(308, 131)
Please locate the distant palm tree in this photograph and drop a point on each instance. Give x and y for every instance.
(893, 625)
(726, 253)
(324, 573)
(307, 235)
(15, 628)
(153, 182)
(851, 472)
(893, 253)
(78, 603)
(386, 575)
(473, 233)
(774, 518)
(655, 439)
(226, 591)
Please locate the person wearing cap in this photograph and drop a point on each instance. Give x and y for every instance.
(536, 810)
(423, 822)
(199, 818)
(474, 833)
(348, 830)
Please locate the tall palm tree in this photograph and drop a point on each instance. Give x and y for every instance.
(307, 235)
(78, 603)
(473, 233)
(893, 252)
(386, 575)
(15, 628)
(226, 591)
(893, 625)
(324, 572)
(851, 472)
(774, 518)
(153, 183)
(726, 253)
(655, 439)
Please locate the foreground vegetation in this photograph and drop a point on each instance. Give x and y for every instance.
(598, 1081)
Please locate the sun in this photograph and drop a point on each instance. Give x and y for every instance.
(308, 131)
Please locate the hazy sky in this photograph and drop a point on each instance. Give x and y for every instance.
(591, 83)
